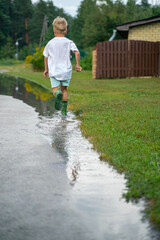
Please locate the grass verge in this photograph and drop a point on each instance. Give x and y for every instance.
(121, 117)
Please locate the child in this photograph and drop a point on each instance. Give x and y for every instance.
(57, 62)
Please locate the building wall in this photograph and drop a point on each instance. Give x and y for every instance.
(147, 32)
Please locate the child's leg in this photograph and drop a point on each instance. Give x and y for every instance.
(54, 90)
(64, 92)
(64, 100)
(58, 95)
(55, 84)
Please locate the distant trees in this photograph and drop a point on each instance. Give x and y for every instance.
(5, 21)
(9, 50)
(36, 22)
(94, 22)
(20, 14)
(22, 19)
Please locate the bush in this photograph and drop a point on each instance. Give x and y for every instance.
(25, 51)
(37, 59)
(86, 62)
(86, 59)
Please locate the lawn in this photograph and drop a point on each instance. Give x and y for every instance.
(121, 117)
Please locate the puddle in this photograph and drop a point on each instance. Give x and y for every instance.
(96, 188)
(29, 92)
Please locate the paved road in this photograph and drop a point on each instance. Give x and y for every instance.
(34, 194)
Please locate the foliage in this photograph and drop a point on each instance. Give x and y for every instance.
(37, 59)
(5, 22)
(104, 16)
(94, 22)
(9, 50)
(36, 22)
(28, 59)
(22, 19)
(37, 91)
(23, 11)
(86, 60)
(25, 51)
(40, 10)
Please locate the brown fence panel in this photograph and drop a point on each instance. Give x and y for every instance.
(112, 59)
(143, 58)
(127, 58)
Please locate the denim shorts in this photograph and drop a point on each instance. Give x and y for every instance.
(56, 83)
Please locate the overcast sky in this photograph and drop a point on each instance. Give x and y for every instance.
(70, 6)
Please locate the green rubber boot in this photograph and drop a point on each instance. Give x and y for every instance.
(58, 102)
(64, 108)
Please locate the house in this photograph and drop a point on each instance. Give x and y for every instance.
(145, 29)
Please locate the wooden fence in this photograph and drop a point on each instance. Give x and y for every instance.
(126, 58)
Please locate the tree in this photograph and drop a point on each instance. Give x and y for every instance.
(113, 13)
(27, 10)
(5, 22)
(9, 50)
(145, 3)
(22, 10)
(94, 29)
(94, 22)
(156, 10)
(52, 12)
(36, 23)
(131, 10)
(83, 17)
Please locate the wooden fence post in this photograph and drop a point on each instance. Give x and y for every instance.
(158, 47)
(94, 63)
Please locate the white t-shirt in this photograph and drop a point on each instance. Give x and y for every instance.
(58, 52)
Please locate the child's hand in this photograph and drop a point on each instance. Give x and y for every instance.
(78, 68)
(45, 73)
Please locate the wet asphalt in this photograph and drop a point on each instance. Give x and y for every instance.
(34, 201)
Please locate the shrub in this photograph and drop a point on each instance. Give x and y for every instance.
(28, 59)
(37, 59)
(25, 51)
(86, 59)
(86, 62)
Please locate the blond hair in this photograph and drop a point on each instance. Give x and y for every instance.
(60, 25)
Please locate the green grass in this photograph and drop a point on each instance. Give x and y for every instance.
(8, 62)
(121, 117)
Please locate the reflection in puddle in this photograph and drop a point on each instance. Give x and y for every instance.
(96, 189)
(31, 93)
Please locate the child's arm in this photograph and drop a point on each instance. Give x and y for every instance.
(46, 67)
(77, 56)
